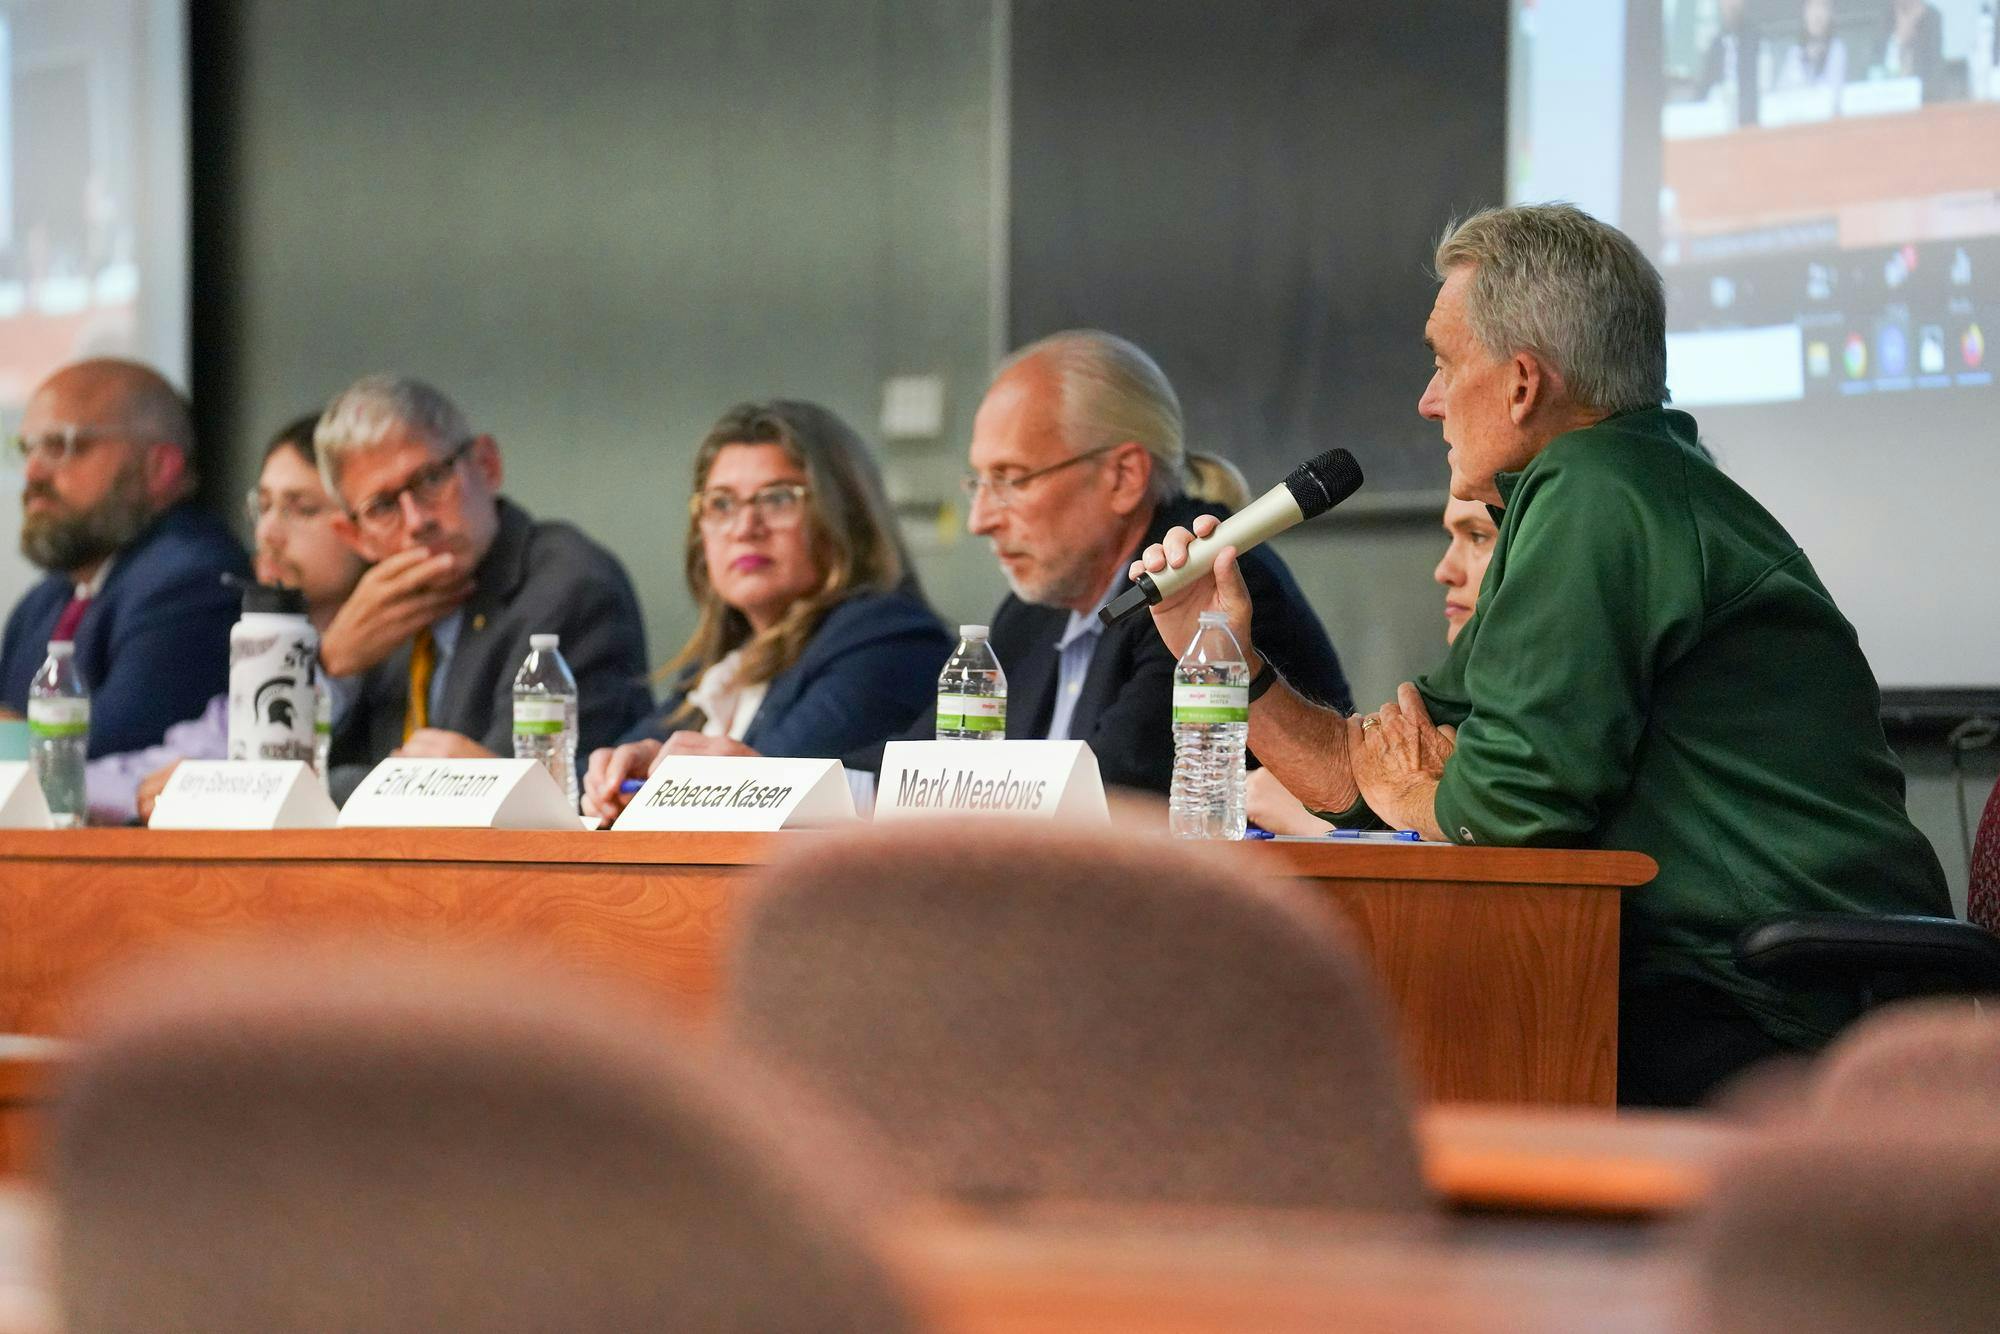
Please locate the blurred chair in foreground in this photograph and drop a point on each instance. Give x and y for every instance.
(1876, 1225)
(1914, 1060)
(1022, 1012)
(280, 1145)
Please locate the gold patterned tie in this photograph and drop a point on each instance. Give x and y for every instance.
(423, 662)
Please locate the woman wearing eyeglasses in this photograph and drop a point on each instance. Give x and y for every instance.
(813, 638)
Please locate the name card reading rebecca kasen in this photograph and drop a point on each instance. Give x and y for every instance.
(458, 794)
(1036, 779)
(740, 793)
(243, 794)
(21, 803)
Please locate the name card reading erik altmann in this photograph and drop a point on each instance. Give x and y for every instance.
(243, 794)
(458, 794)
(740, 793)
(1034, 779)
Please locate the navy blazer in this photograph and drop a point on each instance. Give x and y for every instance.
(1125, 710)
(153, 646)
(868, 672)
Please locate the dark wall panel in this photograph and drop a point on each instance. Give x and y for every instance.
(1251, 189)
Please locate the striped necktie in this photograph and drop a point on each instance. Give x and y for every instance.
(423, 664)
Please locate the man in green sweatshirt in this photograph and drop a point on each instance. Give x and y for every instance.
(1653, 664)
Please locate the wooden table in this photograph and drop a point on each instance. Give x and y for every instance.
(1102, 1271)
(1501, 964)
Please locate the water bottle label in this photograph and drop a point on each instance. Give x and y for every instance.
(323, 714)
(540, 717)
(58, 717)
(971, 713)
(1211, 704)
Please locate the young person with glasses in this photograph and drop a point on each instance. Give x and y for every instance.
(460, 577)
(294, 545)
(813, 638)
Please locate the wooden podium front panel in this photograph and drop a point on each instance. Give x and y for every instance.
(1500, 964)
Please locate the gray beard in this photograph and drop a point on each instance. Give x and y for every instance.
(1063, 589)
(60, 543)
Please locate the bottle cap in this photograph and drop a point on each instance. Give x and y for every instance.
(972, 632)
(543, 643)
(271, 599)
(61, 648)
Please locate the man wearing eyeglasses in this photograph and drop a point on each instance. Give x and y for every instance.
(461, 576)
(134, 568)
(1076, 464)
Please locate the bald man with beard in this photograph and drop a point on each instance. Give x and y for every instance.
(134, 568)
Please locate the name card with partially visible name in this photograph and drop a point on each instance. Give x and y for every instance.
(458, 794)
(21, 803)
(1035, 779)
(243, 794)
(740, 793)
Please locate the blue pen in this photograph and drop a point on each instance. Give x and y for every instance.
(1252, 831)
(1378, 835)
(631, 785)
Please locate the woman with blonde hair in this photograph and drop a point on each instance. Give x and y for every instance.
(812, 637)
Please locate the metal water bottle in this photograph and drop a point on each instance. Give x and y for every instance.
(273, 677)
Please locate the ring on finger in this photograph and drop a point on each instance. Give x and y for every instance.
(1370, 721)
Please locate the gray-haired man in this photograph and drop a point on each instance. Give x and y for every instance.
(1653, 664)
(461, 577)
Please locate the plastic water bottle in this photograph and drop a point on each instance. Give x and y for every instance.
(1211, 726)
(972, 691)
(59, 733)
(545, 713)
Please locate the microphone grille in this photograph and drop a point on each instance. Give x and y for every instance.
(1323, 481)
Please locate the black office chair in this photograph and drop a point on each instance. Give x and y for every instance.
(1876, 958)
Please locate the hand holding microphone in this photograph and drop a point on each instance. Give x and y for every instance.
(1189, 572)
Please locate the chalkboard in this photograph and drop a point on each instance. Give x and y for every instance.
(1252, 191)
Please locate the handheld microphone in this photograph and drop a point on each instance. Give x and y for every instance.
(1313, 488)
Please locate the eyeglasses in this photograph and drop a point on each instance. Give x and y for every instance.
(779, 505)
(1004, 491)
(59, 444)
(383, 513)
(259, 506)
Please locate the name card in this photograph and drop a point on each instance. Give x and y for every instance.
(1055, 780)
(1882, 97)
(458, 794)
(243, 794)
(740, 793)
(21, 803)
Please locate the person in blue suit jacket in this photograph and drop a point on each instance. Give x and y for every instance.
(135, 569)
(813, 637)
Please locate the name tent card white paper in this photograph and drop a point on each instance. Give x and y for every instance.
(1055, 780)
(720, 792)
(21, 803)
(457, 794)
(243, 794)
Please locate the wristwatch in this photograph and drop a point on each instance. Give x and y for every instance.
(1266, 677)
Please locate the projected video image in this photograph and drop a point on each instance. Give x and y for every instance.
(83, 212)
(1818, 179)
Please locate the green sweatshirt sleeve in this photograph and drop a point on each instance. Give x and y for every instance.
(1600, 585)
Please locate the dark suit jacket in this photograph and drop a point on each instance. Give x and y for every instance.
(870, 669)
(154, 645)
(538, 578)
(1125, 710)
